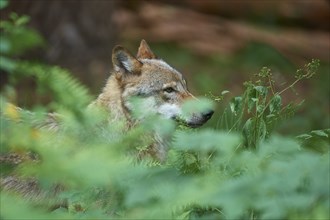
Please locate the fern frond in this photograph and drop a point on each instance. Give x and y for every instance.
(67, 91)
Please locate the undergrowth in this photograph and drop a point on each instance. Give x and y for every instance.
(240, 170)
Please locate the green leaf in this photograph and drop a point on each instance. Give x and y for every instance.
(304, 136)
(22, 39)
(4, 45)
(236, 105)
(3, 4)
(22, 20)
(319, 133)
(224, 92)
(275, 104)
(254, 131)
(260, 108)
(7, 64)
(262, 90)
(251, 99)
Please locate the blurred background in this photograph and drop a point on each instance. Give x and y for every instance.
(216, 44)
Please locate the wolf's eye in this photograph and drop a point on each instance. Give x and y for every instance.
(169, 90)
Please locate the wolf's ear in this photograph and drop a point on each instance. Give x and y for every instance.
(124, 61)
(145, 52)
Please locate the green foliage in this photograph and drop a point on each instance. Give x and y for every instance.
(66, 91)
(240, 172)
(3, 4)
(260, 108)
(16, 39)
(317, 140)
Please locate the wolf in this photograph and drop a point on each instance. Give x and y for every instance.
(162, 88)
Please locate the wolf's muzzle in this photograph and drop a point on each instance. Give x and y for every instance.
(201, 119)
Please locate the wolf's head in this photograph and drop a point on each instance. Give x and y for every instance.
(162, 88)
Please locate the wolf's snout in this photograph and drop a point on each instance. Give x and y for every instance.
(207, 115)
(199, 119)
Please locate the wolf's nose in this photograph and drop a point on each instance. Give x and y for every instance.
(207, 115)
